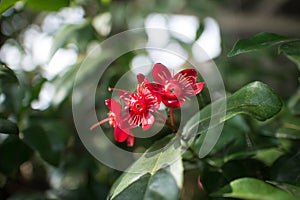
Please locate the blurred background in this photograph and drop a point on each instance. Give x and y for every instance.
(45, 42)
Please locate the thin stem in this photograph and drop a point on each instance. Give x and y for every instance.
(172, 117)
(99, 123)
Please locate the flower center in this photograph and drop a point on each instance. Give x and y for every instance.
(138, 106)
(172, 90)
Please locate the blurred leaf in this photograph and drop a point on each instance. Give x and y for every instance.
(294, 103)
(49, 5)
(5, 4)
(286, 169)
(257, 42)
(232, 138)
(255, 99)
(7, 76)
(268, 156)
(287, 187)
(250, 188)
(287, 126)
(63, 84)
(8, 127)
(292, 51)
(155, 176)
(49, 146)
(65, 33)
(13, 153)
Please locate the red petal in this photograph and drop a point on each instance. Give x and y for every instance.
(148, 120)
(160, 73)
(130, 140)
(156, 88)
(199, 87)
(114, 106)
(189, 74)
(141, 78)
(173, 103)
(120, 135)
(125, 96)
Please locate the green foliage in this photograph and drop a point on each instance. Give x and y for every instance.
(257, 42)
(156, 175)
(8, 127)
(5, 4)
(292, 51)
(255, 99)
(256, 155)
(250, 188)
(13, 153)
(50, 5)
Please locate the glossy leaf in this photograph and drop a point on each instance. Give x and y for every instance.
(13, 153)
(255, 99)
(250, 188)
(257, 42)
(50, 5)
(8, 127)
(156, 175)
(5, 4)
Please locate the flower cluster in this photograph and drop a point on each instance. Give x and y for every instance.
(140, 106)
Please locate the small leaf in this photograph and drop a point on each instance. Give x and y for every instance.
(50, 5)
(6, 4)
(257, 42)
(8, 127)
(250, 188)
(157, 174)
(13, 153)
(255, 99)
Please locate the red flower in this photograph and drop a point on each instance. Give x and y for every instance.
(139, 105)
(174, 90)
(116, 121)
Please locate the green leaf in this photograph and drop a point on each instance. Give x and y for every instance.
(48, 5)
(285, 169)
(5, 4)
(250, 188)
(157, 174)
(49, 140)
(64, 34)
(257, 42)
(268, 156)
(255, 99)
(287, 187)
(294, 103)
(292, 51)
(8, 127)
(7, 75)
(14, 152)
